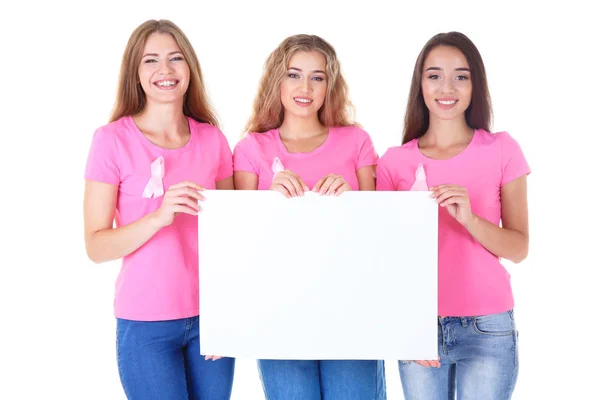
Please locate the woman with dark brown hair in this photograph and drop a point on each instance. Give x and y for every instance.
(479, 179)
(146, 170)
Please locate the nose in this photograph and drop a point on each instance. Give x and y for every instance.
(448, 85)
(164, 67)
(305, 85)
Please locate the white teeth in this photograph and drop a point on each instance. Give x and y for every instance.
(166, 83)
(301, 100)
(447, 102)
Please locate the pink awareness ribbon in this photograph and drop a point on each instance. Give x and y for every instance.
(277, 167)
(154, 188)
(420, 180)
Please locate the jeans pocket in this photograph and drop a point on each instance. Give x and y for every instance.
(501, 324)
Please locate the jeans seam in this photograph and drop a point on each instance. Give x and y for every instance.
(119, 366)
(186, 333)
(379, 370)
(515, 364)
(443, 337)
(262, 380)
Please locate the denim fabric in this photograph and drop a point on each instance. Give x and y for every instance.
(323, 380)
(162, 360)
(479, 361)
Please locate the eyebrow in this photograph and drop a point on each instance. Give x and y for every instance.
(156, 55)
(439, 69)
(299, 70)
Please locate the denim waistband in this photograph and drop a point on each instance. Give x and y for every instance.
(472, 317)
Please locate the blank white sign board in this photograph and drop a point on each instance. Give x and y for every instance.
(318, 277)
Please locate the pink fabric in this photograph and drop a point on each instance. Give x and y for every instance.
(472, 281)
(345, 151)
(159, 281)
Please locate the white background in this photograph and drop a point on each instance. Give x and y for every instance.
(59, 65)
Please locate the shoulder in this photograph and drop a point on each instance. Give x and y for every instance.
(121, 128)
(501, 143)
(353, 132)
(399, 153)
(119, 133)
(203, 129)
(499, 138)
(253, 139)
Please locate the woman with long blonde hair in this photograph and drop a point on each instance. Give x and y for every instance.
(301, 138)
(145, 171)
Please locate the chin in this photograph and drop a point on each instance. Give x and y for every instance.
(449, 117)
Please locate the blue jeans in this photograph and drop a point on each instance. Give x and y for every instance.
(479, 360)
(327, 380)
(161, 360)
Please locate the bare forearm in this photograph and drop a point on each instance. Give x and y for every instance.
(113, 243)
(502, 242)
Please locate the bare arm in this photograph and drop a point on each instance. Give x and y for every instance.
(102, 242)
(245, 180)
(366, 178)
(105, 243)
(511, 241)
(225, 184)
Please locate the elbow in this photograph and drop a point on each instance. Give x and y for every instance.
(518, 258)
(521, 253)
(93, 256)
(92, 252)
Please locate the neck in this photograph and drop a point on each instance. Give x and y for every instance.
(294, 127)
(165, 120)
(447, 133)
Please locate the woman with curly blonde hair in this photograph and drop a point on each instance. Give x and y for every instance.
(301, 138)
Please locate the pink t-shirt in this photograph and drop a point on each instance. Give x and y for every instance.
(159, 281)
(345, 151)
(471, 280)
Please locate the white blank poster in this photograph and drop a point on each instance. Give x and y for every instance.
(318, 277)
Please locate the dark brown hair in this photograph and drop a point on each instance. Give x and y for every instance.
(131, 98)
(479, 113)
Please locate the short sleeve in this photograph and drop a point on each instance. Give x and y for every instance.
(514, 164)
(384, 179)
(102, 162)
(366, 151)
(243, 159)
(225, 159)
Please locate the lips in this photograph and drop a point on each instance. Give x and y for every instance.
(446, 104)
(303, 101)
(166, 84)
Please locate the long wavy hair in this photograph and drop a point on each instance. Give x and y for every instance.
(131, 98)
(337, 109)
(479, 113)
